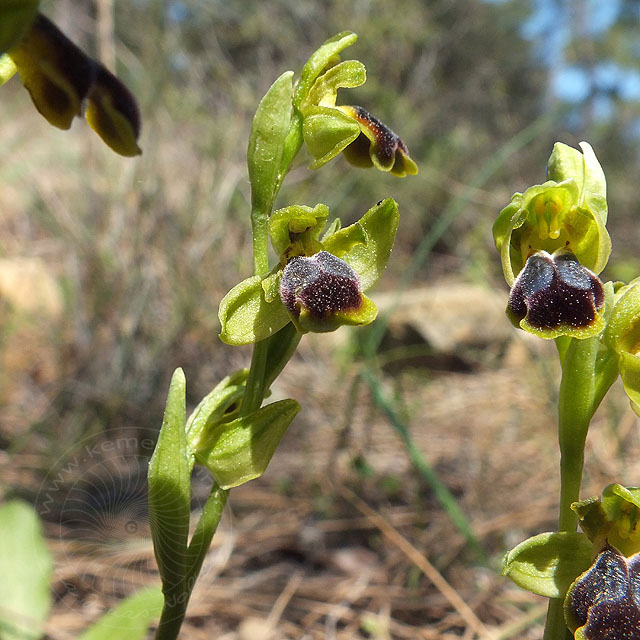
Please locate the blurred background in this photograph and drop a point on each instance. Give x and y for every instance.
(426, 446)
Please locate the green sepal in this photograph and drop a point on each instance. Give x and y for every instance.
(220, 404)
(623, 336)
(246, 316)
(327, 132)
(240, 450)
(324, 92)
(16, 17)
(266, 141)
(369, 258)
(567, 163)
(169, 490)
(557, 214)
(548, 563)
(364, 314)
(325, 56)
(297, 223)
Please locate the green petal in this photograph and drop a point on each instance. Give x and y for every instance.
(323, 93)
(369, 258)
(548, 563)
(325, 56)
(245, 315)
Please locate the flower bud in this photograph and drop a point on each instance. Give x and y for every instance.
(555, 295)
(322, 292)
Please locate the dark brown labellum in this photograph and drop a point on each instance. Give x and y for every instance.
(556, 291)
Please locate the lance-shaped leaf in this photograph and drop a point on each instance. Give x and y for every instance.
(169, 491)
(325, 56)
(604, 602)
(16, 17)
(25, 566)
(240, 450)
(548, 563)
(266, 141)
(246, 316)
(369, 258)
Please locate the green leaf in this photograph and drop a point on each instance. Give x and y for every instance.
(548, 563)
(169, 490)
(16, 17)
(130, 619)
(246, 316)
(266, 141)
(288, 224)
(222, 402)
(369, 258)
(327, 132)
(25, 566)
(239, 451)
(323, 57)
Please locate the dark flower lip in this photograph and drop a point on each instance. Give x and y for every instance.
(555, 295)
(604, 602)
(385, 149)
(321, 284)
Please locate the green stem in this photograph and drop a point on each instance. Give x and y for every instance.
(587, 374)
(176, 600)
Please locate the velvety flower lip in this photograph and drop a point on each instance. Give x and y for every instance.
(555, 295)
(322, 284)
(604, 602)
(377, 145)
